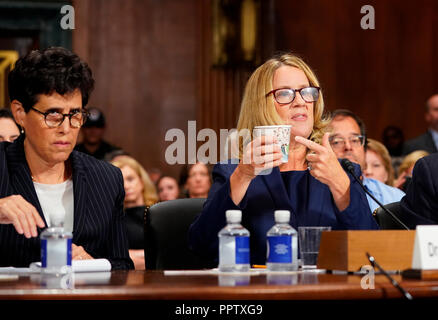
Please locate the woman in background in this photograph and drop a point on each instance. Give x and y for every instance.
(8, 127)
(168, 188)
(406, 167)
(378, 162)
(140, 192)
(198, 180)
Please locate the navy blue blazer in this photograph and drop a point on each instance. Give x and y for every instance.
(99, 222)
(309, 201)
(420, 204)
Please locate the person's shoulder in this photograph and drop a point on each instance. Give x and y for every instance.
(431, 159)
(378, 185)
(428, 163)
(417, 142)
(93, 165)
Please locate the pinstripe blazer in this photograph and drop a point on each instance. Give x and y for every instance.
(99, 222)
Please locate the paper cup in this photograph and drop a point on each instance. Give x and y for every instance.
(281, 132)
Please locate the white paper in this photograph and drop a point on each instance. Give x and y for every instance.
(92, 265)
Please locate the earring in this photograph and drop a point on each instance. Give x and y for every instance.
(22, 131)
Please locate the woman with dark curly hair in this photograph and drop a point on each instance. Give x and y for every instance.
(42, 180)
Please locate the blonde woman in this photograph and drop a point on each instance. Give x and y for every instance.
(406, 167)
(139, 193)
(378, 163)
(312, 185)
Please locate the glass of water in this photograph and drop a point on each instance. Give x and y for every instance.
(309, 239)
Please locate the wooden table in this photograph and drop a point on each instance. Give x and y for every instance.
(157, 288)
(154, 285)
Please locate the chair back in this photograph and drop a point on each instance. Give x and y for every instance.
(385, 221)
(166, 235)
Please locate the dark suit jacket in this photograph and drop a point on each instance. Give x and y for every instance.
(309, 201)
(423, 142)
(420, 204)
(99, 224)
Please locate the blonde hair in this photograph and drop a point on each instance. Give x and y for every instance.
(259, 110)
(411, 159)
(150, 195)
(382, 152)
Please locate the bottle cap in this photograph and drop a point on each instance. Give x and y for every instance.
(282, 216)
(233, 216)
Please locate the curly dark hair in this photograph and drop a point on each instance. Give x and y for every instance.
(51, 70)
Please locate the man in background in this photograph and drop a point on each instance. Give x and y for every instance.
(348, 140)
(92, 137)
(429, 140)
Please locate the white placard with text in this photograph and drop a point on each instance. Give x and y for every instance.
(425, 255)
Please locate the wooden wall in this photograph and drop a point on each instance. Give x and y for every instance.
(384, 75)
(151, 60)
(143, 55)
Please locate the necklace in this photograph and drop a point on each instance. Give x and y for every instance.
(67, 172)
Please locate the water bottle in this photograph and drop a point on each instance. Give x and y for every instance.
(282, 244)
(56, 248)
(234, 244)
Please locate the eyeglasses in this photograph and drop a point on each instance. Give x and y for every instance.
(287, 95)
(54, 119)
(338, 143)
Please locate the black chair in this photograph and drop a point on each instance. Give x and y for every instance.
(166, 235)
(385, 220)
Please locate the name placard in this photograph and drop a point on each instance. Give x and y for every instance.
(425, 254)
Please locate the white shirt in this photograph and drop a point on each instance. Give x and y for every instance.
(57, 202)
(382, 192)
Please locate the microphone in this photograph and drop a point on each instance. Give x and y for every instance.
(348, 166)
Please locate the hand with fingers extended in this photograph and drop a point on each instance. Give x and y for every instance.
(260, 154)
(324, 166)
(17, 211)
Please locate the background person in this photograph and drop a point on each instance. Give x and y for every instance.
(9, 130)
(93, 131)
(420, 204)
(348, 140)
(139, 193)
(406, 168)
(429, 140)
(42, 177)
(168, 188)
(284, 90)
(198, 181)
(378, 163)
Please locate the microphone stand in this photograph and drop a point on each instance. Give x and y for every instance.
(348, 166)
(374, 263)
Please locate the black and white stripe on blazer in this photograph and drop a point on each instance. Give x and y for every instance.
(99, 222)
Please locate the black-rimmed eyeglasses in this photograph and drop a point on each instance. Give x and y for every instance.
(54, 119)
(287, 95)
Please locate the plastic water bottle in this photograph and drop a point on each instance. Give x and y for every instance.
(56, 249)
(234, 244)
(282, 244)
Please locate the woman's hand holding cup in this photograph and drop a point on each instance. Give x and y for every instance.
(262, 153)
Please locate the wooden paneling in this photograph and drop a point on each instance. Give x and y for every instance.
(384, 75)
(152, 64)
(143, 56)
